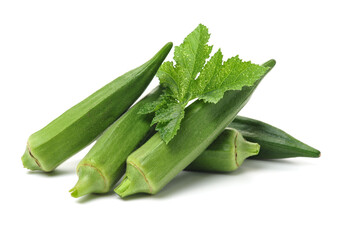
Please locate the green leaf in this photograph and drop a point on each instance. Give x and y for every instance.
(174, 79)
(237, 73)
(193, 52)
(168, 120)
(190, 58)
(208, 75)
(192, 76)
(234, 74)
(169, 77)
(150, 107)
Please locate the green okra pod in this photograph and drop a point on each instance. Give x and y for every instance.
(81, 124)
(104, 164)
(155, 163)
(274, 143)
(225, 154)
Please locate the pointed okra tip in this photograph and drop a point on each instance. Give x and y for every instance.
(164, 51)
(309, 151)
(90, 180)
(168, 46)
(271, 63)
(317, 153)
(304, 150)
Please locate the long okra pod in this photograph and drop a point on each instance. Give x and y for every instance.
(81, 124)
(104, 164)
(155, 163)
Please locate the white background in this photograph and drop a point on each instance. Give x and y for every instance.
(53, 54)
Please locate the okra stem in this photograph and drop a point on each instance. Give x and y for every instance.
(225, 154)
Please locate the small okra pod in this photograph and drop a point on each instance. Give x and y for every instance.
(225, 154)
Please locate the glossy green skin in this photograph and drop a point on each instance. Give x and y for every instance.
(274, 143)
(225, 154)
(155, 163)
(112, 148)
(81, 124)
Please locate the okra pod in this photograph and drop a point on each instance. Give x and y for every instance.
(81, 124)
(225, 154)
(156, 163)
(104, 164)
(274, 143)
